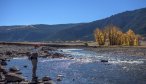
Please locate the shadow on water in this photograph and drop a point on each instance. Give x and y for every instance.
(85, 67)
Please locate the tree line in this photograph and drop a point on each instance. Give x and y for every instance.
(114, 36)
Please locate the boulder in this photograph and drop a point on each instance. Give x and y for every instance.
(46, 78)
(25, 66)
(4, 63)
(59, 77)
(8, 53)
(104, 60)
(12, 77)
(71, 58)
(45, 51)
(57, 55)
(48, 82)
(18, 72)
(13, 69)
(1, 68)
(3, 58)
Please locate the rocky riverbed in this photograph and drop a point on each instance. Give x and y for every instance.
(13, 74)
(104, 65)
(19, 51)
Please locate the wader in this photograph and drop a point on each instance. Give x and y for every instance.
(34, 61)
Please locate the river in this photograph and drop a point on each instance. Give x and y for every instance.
(85, 67)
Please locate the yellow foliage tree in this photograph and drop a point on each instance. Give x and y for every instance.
(125, 40)
(99, 37)
(116, 37)
(133, 38)
(113, 34)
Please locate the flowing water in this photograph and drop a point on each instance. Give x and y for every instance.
(85, 67)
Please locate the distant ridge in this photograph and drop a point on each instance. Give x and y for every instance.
(135, 20)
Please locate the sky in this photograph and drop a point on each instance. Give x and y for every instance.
(26, 12)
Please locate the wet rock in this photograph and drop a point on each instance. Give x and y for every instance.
(13, 69)
(48, 82)
(104, 60)
(48, 55)
(4, 63)
(73, 79)
(61, 50)
(8, 53)
(45, 51)
(8, 60)
(2, 77)
(2, 69)
(28, 54)
(44, 56)
(18, 72)
(22, 53)
(46, 78)
(25, 66)
(14, 51)
(71, 58)
(1, 53)
(59, 78)
(3, 58)
(57, 55)
(24, 82)
(12, 77)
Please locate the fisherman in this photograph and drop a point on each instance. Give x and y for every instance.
(34, 59)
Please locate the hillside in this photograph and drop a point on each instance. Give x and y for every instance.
(135, 20)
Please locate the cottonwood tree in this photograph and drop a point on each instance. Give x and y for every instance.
(116, 37)
(133, 38)
(113, 33)
(99, 36)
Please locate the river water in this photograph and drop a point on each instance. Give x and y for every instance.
(85, 67)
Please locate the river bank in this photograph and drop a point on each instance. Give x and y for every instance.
(131, 51)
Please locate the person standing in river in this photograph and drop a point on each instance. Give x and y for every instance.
(34, 59)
